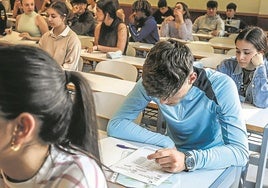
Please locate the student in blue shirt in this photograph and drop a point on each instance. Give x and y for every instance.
(201, 107)
(249, 69)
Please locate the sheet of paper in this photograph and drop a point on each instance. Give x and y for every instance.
(137, 166)
(13, 37)
(110, 153)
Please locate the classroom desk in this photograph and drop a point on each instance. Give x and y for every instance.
(199, 55)
(141, 46)
(202, 36)
(228, 177)
(14, 39)
(257, 123)
(98, 56)
(196, 54)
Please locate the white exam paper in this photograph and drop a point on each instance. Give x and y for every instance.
(137, 166)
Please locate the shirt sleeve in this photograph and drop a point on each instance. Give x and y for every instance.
(122, 125)
(185, 30)
(73, 53)
(234, 150)
(260, 86)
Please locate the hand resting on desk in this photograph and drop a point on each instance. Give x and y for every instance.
(170, 159)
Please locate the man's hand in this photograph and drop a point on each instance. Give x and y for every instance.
(171, 160)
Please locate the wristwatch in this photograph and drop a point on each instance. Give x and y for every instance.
(189, 161)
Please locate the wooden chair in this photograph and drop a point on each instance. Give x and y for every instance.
(117, 69)
(106, 105)
(211, 62)
(86, 41)
(221, 40)
(200, 46)
(130, 51)
(231, 52)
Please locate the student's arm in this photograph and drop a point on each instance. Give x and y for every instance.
(195, 25)
(121, 42)
(185, 30)
(260, 82)
(42, 24)
(122, 125)
(73, 52)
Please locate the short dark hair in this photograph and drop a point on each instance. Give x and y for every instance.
(162, 3)
(231, 6)
(78, 2)
(212, 4)
(166, 68)
(142, 5)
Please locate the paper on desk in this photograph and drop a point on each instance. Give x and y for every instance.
(110, 153)
(137, 166)
(12, 37)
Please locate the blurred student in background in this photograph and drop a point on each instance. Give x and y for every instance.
(61, 42)
(179, 26)
(162, 12)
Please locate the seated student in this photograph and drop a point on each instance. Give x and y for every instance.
(17, 8)
(204, 126)
(3, 19)
(179, 26)
(61, 42)
(30, 24)
(162, 12)
(249, 69)
(82, 21)
(233, 24)
(211, 22)
(142, 26)
(111, 32)
(45, 131)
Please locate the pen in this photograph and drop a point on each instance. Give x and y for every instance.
(125, 147)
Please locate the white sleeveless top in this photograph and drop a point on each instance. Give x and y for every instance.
(27, 24)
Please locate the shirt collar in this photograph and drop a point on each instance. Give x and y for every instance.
(63, 34)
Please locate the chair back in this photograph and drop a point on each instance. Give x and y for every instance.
(222, 40)
(200, 46)
(86, 41)
(211, 62)
(131, 51)
(118, 69)
(106, 104)
(231, 52)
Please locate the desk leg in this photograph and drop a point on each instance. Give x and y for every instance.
(263, 158)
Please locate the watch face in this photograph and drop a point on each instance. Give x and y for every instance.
(189, 162)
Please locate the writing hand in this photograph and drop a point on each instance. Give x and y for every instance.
(25, 35)
(171, 160)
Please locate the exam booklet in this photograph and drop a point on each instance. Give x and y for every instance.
(137, 166)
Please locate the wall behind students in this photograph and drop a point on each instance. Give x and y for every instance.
(253, 12)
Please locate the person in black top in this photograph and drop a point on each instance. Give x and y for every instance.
(162, 12)
(233, 24)
(82, 21)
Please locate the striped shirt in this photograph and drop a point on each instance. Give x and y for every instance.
(62, 169)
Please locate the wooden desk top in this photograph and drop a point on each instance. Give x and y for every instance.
(256, 118)
(100, 56)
